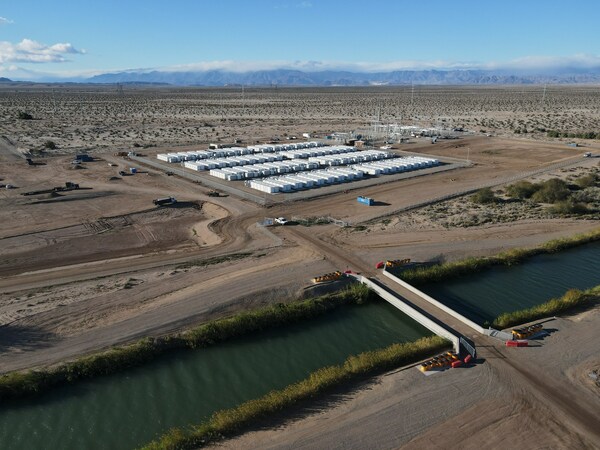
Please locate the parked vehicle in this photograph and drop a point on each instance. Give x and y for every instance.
(164, 201)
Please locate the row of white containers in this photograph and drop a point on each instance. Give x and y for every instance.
(262, 170)
(397, 165)
(317, 178)
(350, 158)
(280, 167)
(201, 154)
(195, 155)
(305, 180)
(270, 148)
(314, 152)
(249, 160)
(216, 163)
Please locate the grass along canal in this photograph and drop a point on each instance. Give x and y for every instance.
(128, 409)
(483, 296)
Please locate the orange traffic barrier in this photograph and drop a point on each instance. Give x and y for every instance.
(525, 332)
(328, 277)
(441, 361)
(396, 262)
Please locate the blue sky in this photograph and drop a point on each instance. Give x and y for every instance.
(73, 37)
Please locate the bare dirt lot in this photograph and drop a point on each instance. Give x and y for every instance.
(85, 269)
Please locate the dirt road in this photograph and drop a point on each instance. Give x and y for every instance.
(488, 405)
(504, 392)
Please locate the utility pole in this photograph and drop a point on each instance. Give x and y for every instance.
(222, 110)
(243, 102)
(544, 94)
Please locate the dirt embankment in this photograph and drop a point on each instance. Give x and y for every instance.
(484, 406)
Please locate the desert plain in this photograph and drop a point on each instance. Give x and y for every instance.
(84, 270)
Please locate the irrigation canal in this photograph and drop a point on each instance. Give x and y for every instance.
(129, 409)
(484, 296)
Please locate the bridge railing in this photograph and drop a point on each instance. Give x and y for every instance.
(434, 302)
(411, 312)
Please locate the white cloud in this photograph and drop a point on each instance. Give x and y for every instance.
(580, 61)
(29, 51)
(529, 64)
(5, 21)
(524, 63)
(22, 73)
(304, 4)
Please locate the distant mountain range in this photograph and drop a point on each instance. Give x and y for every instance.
(289, 77)
(284, 77)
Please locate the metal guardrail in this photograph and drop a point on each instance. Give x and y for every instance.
(468, 347)
(486, 331)
(411, 312)
(434, 302)
(503, 336)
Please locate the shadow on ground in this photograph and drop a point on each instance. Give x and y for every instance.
(23, 338)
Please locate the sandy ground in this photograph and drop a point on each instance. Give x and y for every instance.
(104, 118)
(474, 407)
(91, 268)
(68, 261)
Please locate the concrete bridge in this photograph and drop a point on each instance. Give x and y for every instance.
(429, 312)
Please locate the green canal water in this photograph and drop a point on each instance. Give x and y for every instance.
(128, 409)
(484, 296)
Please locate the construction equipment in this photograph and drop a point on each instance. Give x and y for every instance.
(397, 262)
(328, 277)
(525, 332)
(214, 194)
(448, 359)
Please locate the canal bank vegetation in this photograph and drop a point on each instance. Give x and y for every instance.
(227, 422)
(444, 271)
(573, 299)
(27, 383)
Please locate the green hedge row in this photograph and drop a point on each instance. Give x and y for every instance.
(27, 383)
(572, 299)
(440, 272)
(229, 421)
